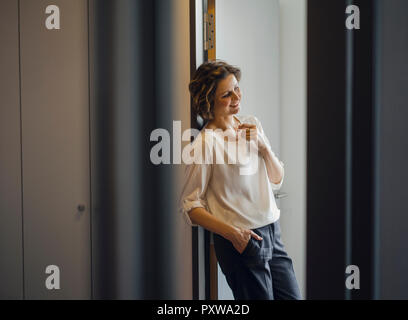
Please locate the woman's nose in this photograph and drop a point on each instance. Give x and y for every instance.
(235, 96)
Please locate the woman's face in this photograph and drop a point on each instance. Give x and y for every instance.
(227, 97)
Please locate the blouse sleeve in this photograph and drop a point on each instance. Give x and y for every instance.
(275, 186)
(195, 183)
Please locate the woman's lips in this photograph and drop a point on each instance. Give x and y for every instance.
(235, 106)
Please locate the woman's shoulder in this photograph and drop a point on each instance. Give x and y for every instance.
(204, 138)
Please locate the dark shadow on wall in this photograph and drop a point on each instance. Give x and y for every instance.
(356, 208)
(132, 240)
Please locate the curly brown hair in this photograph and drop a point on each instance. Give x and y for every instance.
(204, 84)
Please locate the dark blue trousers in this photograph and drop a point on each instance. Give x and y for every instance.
(263, 271)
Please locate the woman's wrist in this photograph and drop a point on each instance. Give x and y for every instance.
(263, 149)
(231, 232)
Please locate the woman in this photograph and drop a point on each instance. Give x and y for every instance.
(238, 208)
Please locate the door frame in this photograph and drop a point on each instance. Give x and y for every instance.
(204, 262)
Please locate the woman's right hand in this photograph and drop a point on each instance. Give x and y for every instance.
(241, 237)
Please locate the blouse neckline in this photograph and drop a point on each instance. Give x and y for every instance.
(205, 126)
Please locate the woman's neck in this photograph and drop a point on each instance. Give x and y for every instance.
(224, 123)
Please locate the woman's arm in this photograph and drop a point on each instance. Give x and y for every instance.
(273, 166)
(205, 219)
(239, 237)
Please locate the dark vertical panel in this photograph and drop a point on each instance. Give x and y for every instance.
(193, 63)
(393, 150)
(127, 152)
(362, 162)
(207, 275)
(11, 247)
(132, 198)
(101, 47)
(200, 236)
(199, 123)
(193, 115)
(156, 112)
(117, 228)
(149, 114)
(377, 22)
(378, 223)
(90, 17)
(326, 150)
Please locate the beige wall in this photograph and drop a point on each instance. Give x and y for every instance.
(181, 101)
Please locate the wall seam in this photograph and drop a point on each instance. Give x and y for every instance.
(21, 143)
(90, 152)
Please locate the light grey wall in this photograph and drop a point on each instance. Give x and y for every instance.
(293, 131)
(247, 35)
(199, 32)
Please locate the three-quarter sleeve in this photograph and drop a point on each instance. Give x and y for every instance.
(275, 186)
(195, 183)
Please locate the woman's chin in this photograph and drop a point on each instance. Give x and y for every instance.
(235, 110)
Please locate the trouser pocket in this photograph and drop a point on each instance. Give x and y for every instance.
(256, 251)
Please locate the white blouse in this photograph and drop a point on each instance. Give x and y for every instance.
(245, 201)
